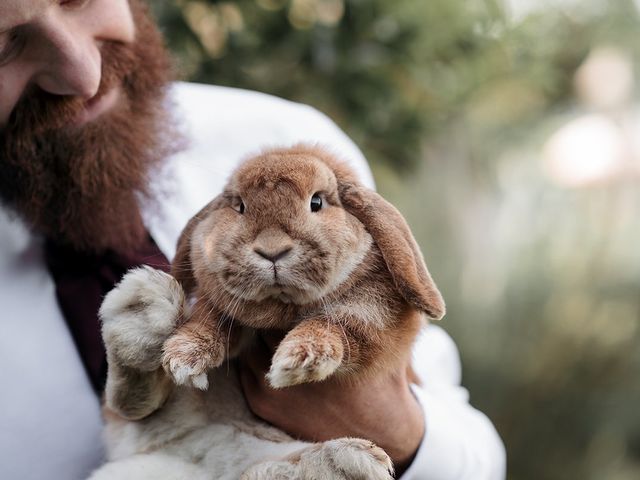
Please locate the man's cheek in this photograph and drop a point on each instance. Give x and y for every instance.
(113, 20)
(12, 88)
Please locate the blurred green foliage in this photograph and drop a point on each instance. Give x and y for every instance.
(390, 73)
(453, 101)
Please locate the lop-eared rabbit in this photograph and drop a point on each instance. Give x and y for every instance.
(294, 243)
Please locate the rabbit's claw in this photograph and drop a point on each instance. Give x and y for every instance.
(188, 359)
(303, 360)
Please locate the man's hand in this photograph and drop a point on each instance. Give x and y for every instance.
(382, 410)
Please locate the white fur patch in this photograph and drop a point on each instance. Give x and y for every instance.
(139, 314)
(154, 466)
(186, 375)
(271, 471)
(187, 360)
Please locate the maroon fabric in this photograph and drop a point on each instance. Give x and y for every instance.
(82, 280)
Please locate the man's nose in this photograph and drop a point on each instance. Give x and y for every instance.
(71, 63)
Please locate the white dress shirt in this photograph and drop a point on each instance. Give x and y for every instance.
(50, 424)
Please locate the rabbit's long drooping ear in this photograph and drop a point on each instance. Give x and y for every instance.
(181, 267)
(399, 249)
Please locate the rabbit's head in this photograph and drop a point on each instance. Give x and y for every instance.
(293, 224)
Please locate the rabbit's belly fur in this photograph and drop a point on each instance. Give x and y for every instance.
(195, 435)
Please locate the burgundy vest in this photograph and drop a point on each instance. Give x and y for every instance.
(82, 280)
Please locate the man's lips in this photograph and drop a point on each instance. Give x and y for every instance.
(96, 106)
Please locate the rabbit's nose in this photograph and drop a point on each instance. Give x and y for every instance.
(272, 256)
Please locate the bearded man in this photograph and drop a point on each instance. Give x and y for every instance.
(102, 162)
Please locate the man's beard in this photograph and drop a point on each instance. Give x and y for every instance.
(83, 186)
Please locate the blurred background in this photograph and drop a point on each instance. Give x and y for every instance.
(508, 133)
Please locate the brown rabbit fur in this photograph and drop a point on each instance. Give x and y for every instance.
(346, 282)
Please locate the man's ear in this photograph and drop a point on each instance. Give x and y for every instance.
(182, 267)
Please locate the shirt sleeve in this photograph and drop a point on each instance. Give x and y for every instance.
(460, 442)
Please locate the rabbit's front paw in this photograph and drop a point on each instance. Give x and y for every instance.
(341, 459)
(350, 458)
(188, 358)
(304, 360)
(138, 315)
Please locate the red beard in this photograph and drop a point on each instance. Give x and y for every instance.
(83, 186)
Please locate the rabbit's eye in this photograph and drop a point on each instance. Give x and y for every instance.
(316, 202)
(238, 206)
